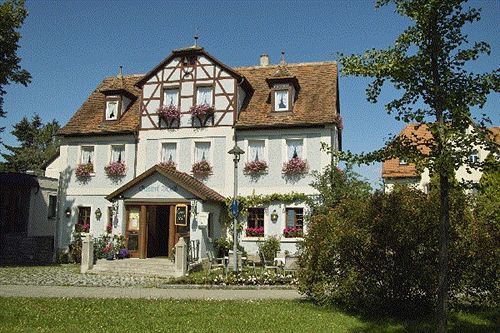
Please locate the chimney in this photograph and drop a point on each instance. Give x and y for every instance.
(264, 60)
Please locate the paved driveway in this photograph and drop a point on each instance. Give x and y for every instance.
(148, 293)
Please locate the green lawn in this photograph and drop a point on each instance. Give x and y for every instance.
(124, 315)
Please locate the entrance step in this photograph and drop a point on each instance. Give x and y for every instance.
(161, 267)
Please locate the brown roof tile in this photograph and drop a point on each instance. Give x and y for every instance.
(89, 119)
(184, 180)
(316, 104)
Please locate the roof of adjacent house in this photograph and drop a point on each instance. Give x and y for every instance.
(316, 104)
(180, 178)
(393, 168)
(90, 119)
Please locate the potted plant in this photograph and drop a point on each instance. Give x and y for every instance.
(82, 227)
(84, 170)
(255, 232)
(122, 253)
(295, 166)
(108, 251)
(291, 232)
(255, 167)
(201, 169)
(202, 112)
(168, 164)
(170, 114)
(115, 169)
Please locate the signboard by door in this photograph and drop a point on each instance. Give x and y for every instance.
(181, 215)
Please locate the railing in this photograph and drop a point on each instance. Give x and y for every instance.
(194, 251)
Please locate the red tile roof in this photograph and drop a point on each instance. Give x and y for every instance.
(182, 179)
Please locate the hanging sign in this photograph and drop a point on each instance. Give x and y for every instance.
(181, 215)
(202, 219)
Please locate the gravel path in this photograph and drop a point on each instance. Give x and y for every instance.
(148, 293)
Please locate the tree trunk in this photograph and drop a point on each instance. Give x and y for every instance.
(444, 227)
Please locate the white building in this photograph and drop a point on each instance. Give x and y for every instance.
(398, 171)
(275, 113)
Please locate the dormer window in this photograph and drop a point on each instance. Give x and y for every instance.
(112, 108)
(282, 100)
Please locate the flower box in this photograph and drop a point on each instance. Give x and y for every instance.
(291, 232)
(84, 170)
(255, 167)
(170, 114)
(82, 227)
(202, 112)
(115, 169)
(201, 169)
(168, 164)
(295, 166)
(254, 232)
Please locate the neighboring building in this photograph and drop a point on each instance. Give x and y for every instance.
(399, 171)
(275, 113)
(28, 210)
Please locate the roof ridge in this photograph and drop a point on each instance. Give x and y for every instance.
(297, 64)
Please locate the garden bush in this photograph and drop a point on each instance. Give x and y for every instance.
(381, 253)
(270, 247)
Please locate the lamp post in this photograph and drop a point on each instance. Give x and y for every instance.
(236, 151)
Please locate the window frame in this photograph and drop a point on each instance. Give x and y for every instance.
(302, 156)
(208, 158)
(81, 210)
(275, 95)
(473, 156)
(201, 86)
(165, 88)
(254, 220)
(52, 206)
(264, 156)
(111, 152)
(82, 149)
(175, 158)
(295, 224)
(118, 107)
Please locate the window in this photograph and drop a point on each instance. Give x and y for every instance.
(256, 150)
(117, 153)
(294, 148)
(402, 161)
(87, 155)
(52, 206)
(204, 95)
(171, 97)
(112, 109)
(474, 157)
(294, 217)
(255, 222)
(281, 100)
(201, 151)
(84, 216)
(168, 152)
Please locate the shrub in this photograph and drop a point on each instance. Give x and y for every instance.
(270, 247)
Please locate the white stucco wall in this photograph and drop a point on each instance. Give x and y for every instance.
(40, 224)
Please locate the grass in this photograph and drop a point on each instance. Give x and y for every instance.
(141, 315)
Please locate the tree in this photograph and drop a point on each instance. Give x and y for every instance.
(38, 144)
(12, 15)
(428, 64)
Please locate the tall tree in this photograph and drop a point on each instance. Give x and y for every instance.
(38, 143)
(427, 63)
(12, 15)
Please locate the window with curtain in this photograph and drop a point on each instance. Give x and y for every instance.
(171, 97)
(294, 217)
(168, 152)
(256, 150)
(204, 95)
(117, 153)
(201, 151)
(87, 155)
(112, 109)
(294, 148)
(281, 100)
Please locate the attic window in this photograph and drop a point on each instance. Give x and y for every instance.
(282, 100)
(112, 108)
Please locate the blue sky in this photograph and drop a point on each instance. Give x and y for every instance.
(69, 46)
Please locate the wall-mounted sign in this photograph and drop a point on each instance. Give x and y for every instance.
(202, 219)
(181, 215)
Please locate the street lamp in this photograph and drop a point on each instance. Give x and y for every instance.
(236, 151)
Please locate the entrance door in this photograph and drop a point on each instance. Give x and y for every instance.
(158, 231)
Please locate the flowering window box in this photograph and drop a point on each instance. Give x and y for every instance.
(254, 232)
(171, 114)
(82, 228)
(292, 232)
(84, 170)
(168, 164)
(201, 169)
(202, 112)
(255, 167)
(115, 169)
(295, 166)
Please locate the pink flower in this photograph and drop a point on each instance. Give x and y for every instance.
(115, 169)
(255, 232)
(168, 164)
(201, 168)
(169, 112)
(295, 166)
(84, 170)
(201, 110)
(289, 232)
(254, 167)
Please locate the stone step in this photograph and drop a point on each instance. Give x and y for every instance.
(145, 267)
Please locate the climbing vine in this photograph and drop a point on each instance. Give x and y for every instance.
(245, 202)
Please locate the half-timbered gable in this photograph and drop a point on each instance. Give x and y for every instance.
(187, 78)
